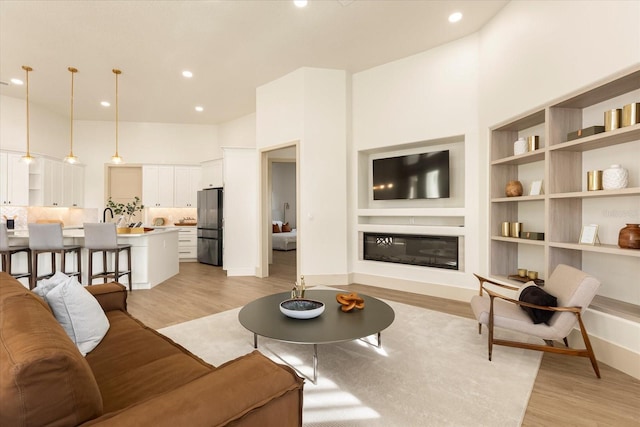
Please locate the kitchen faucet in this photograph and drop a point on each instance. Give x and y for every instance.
(104, 214)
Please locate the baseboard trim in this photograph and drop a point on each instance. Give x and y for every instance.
(326, 279)
(244, 271)
(431, 289)
(610, 353)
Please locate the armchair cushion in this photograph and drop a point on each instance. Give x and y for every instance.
(534, 294)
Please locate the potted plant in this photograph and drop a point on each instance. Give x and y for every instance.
(125, 211)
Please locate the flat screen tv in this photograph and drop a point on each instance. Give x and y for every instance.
(415, 176)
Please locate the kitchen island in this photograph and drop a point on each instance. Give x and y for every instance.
(154, 256)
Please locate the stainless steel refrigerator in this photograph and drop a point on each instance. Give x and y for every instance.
(210, 225)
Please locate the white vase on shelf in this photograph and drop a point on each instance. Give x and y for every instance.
(615, 178)
(519, 147)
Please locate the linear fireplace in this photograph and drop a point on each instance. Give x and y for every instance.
(426, 251)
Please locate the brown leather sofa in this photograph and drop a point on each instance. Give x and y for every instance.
(134, 377)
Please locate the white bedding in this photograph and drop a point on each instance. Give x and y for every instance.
(284, 241)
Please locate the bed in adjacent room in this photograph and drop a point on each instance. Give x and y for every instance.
(283, 240)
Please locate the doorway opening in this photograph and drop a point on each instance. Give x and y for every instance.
(280, 231)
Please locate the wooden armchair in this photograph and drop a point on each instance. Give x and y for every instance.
(574, 291)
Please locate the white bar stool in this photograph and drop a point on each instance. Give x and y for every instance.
(6, 252)
(47, 238)
(104, 238)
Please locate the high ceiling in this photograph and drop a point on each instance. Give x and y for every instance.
(231, 46)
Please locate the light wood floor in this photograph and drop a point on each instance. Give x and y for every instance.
(566, 391)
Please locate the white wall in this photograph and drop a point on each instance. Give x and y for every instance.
(49, 132)
(241, 211)
(425, 97)
(240, 132)
(310, 106)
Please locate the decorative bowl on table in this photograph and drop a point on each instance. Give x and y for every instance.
(300, 308)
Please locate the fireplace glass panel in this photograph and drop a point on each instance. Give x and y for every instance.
(426, 251)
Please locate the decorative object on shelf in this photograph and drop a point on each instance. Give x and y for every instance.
(513, 189)
(299, 308)
(532, 275)
(350, 301)
(629, 237)
(580, 133)
(536, 188)
(27, 158)
(71, 159)
(515, 229)
(506, 226)
(589, 235)
(612, 119)
(522, 272)
(525, 279)
(116, 157)
(615, 178)
(532, 235)
(533, 142)
(594, 180)
(520, 146)
(631, 114)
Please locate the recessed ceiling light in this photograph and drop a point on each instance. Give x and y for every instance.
(105, 103)
(455, 17)
(300, 3)
(188, 74)
(199, 109)
(16, 81)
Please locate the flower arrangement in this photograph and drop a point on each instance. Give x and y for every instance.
(125, 211)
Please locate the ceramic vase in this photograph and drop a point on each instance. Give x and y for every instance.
(519, 147)
(615, 178)
(513, 189)
(629, 237)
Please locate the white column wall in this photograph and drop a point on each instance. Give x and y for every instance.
(424, 97)
(309, 105)
(241, 211)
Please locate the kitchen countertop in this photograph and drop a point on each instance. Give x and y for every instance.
(79, 232)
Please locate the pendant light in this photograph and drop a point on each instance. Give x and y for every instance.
(71, 158)
(27, 157)
(116, 157)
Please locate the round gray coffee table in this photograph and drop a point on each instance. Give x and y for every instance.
(263, 317)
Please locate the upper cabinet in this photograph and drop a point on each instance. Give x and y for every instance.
(14, 180)
(187, 183)
(157, 186)
(73, 189)
(165, 186)
(212, 174)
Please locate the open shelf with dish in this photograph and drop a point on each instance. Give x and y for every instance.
(565, 203)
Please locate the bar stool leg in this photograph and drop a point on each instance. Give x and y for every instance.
(79, 261)
(116, 266)
(105, 267)
(129, 275)
(90, 267)
(30, 269)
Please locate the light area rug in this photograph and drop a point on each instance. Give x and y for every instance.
(432, 370)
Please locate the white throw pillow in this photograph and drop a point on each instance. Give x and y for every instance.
(45, 285)
(79, 313)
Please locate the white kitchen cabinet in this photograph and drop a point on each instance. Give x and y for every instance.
(157, 186)
(73, 189)
(46, 183)
(212, 174)
(187, 184)
(14, 180)
(187, 244)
